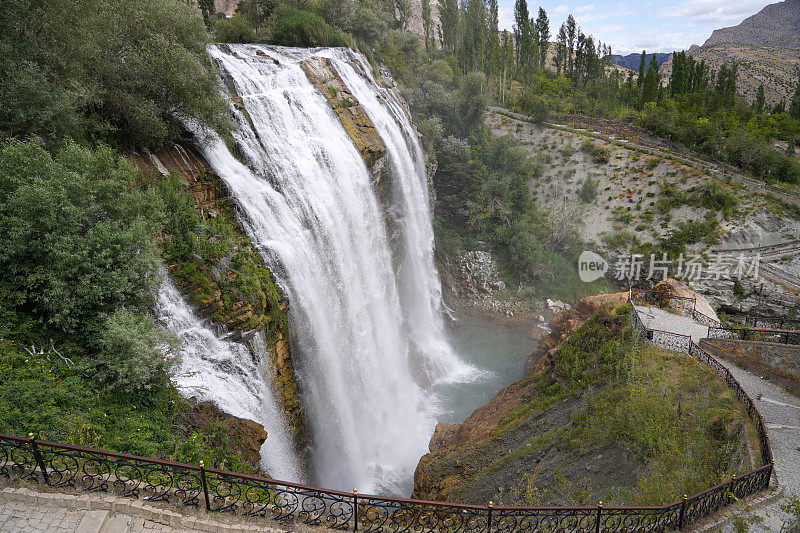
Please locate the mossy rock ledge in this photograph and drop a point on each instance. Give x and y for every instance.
(237, 289)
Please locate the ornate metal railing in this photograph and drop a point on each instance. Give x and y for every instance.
(781, 336)
(87, 469)
(772, 322)
(681, 304)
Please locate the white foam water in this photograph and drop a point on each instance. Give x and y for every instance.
(369, 334)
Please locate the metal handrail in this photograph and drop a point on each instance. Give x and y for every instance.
(225, 491)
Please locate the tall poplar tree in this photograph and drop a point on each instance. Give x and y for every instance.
(642, 65)
(794, 105)
(561, 49)
(449, 16)
(759, 105)
(572, 34)
(521, 32)
(543, 36)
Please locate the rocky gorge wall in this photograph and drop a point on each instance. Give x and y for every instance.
(215, 287)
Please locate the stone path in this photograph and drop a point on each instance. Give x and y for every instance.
(781, 412)
(25, 511)
(655, 318)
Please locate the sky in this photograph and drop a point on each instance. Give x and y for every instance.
(633, 26)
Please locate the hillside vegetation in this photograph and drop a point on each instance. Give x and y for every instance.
(608, 419)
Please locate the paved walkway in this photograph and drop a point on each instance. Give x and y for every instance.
(781, 412)
(25, 511)
(655, 318)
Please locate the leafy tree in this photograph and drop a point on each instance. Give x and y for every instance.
(64, 73)
(136, 354)
(471, 103)
(75, 235)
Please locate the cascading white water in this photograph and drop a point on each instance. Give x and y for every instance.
(214, 369)
(308, 204)
(420, 290)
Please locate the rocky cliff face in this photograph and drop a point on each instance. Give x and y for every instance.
(777, 25)
(766, 46)
(245, 436)
(458, 452)
(211, 284)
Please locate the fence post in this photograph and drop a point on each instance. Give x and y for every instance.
(597, 522)
(489, 521)
(205, 485)
(38, 458)
(355, 509)
(683, 513)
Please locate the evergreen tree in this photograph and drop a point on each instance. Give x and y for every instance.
(642, 65)
(651, 82)
(572, 33)
(794, 105)
(759, 104)
(780, 107)
(449, 16)
(520, 29)
(543, 36)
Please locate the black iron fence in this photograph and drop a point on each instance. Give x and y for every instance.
(682, 304)
(772, 322)
(780, 336)
(62, 465)
(87, 469)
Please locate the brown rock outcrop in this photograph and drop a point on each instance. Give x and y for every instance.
(244, 436)
(354, 119)
(481, 423)
(565, 324)
(268, 312)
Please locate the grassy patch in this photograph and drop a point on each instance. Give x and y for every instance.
(673, 411)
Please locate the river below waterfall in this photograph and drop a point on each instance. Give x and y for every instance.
(498, 350)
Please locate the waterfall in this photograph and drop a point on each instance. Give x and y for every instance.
(420, 290)
(225, 373)
(369, 340)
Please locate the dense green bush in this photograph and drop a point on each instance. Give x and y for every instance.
(76, 236)
(303, 28)
(83, 68)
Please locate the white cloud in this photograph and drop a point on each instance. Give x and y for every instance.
(560, 10)
(716, 12)
(584, 9)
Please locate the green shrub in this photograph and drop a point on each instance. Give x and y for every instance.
(589, 189)
(303, 28)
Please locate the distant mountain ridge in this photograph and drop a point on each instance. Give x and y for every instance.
(777, 25)
(766, 47)
(631, 61)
